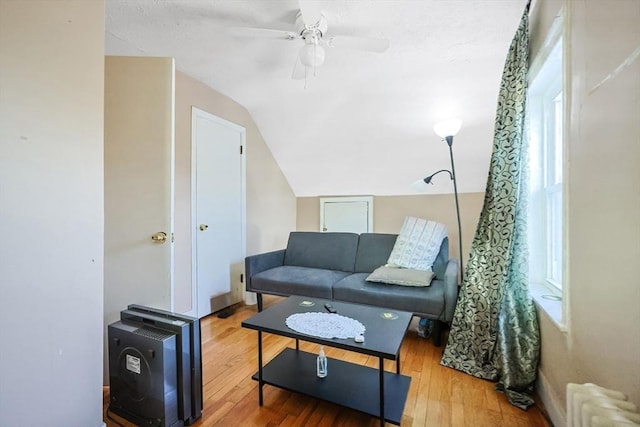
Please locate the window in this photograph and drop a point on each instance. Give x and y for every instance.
(552, 166)
(546, 153)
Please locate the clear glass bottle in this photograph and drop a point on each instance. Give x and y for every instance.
(321, 364)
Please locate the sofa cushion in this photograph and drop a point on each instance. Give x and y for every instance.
(292, 280)
(428, 301)
(418, 243)
(373, 251)
(331, 251)
(401, 276)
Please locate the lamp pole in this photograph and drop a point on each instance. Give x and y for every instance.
(449, 140)
(446, 130)
(452, 175)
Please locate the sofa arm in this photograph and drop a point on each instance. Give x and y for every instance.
(255, 264)
(450, 289)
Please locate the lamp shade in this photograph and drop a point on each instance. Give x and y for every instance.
(312, 55)
(419, 186)
(447, 128)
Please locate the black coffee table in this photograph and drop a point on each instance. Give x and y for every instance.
(372, 391)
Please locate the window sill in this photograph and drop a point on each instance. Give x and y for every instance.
(549, 301)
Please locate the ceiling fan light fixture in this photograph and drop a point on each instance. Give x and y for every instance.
(312, 55)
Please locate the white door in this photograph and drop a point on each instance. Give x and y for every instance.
(138, 163)
(218, 220)
(346, 214)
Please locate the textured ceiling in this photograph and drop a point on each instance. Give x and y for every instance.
(363, 125)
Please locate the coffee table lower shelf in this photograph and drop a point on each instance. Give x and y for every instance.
(347, 384)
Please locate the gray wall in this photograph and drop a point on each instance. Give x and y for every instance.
(51, 212)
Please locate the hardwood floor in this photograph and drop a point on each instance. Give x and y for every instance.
(438, 396)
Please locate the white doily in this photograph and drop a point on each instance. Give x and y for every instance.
(325, 325)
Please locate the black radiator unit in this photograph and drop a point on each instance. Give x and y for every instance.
(142, 375)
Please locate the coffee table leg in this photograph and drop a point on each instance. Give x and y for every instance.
(398, 364)
(381, 392)
(260, 400)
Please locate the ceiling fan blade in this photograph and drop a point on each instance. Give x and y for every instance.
(261, 33)
(311, 11)
(360, 43)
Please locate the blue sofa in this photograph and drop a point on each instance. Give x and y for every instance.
(336, 265)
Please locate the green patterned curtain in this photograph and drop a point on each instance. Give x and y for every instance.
(494, 334)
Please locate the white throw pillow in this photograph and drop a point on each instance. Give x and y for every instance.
(418, 244)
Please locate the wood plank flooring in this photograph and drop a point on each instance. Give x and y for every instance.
(438, 396)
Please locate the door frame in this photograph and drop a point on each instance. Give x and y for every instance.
(197, 112)
(348, 199)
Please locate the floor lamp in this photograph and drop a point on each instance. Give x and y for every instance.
(447, 130)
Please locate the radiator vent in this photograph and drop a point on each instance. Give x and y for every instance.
(589, 405)
(154, 334)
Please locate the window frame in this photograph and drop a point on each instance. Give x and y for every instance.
(550, 186)
(545, 78)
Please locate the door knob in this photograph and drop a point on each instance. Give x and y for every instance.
(159, 237)
(203, 227)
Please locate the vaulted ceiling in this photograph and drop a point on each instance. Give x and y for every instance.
(363, 124)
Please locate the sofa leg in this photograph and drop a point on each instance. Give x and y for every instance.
(437, 333)
(259, 299)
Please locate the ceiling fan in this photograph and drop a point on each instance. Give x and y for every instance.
(311, 28)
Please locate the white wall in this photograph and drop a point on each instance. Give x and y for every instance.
(602, 342)
(51, 212)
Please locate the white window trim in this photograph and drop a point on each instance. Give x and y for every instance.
(554, 89)
(554, 302)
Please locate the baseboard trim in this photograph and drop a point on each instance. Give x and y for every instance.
(552, 403)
